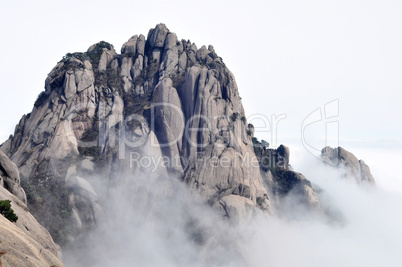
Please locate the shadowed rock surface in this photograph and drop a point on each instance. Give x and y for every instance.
(281, 181)
(10, 177)
(27, 242)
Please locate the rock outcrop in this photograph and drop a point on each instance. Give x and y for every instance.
(26, 242)
(356, 170)
(10, 177)
(103, 114)
(281, 181)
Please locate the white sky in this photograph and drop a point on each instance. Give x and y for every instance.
(289, 57)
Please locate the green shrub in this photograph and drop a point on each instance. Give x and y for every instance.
(284, 180)
(139, 81)
(151, 71)
(260, 201)
(234, 116)
(42, 97)
(7, 211)
(96, 53)
(264, 144)
(30, 190)
(78, 55)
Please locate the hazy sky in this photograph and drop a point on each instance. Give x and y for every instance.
(289, 57)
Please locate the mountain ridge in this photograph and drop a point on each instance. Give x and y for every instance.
(161, 98)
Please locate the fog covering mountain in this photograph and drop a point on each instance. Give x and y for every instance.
(161, 108)
(146, 157)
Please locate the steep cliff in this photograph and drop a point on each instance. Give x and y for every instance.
(103, 116)
(26, 242)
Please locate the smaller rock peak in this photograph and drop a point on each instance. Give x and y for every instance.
(170, 41)
(156, 36)
(100, 46)
(357, 169)
(101, 54)
(130, 46)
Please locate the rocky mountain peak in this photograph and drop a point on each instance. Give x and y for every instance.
(157, 90)
(161, 99)
(157, 36)
(280, 179)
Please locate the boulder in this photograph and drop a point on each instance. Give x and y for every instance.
(157, 36)
(10, 178)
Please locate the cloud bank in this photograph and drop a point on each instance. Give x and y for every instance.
(158, 222)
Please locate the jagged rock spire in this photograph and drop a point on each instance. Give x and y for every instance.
(158, 90)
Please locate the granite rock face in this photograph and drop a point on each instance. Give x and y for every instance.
(10, 178)
(26, 242)
(102, 114)
(356, 170)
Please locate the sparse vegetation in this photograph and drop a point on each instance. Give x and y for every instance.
(96, 53)
(93, 56)
(260, 201)
(90, 135)
(285, 181)
(52, 197)
(264, 144)
(131, 54)
(30, 190)
(77, 55)
(266, 163)
(257, 147)
(42, 97)
(7, 211)
(139, 81)
(234, 116)
(178, 79)
(152, 69)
